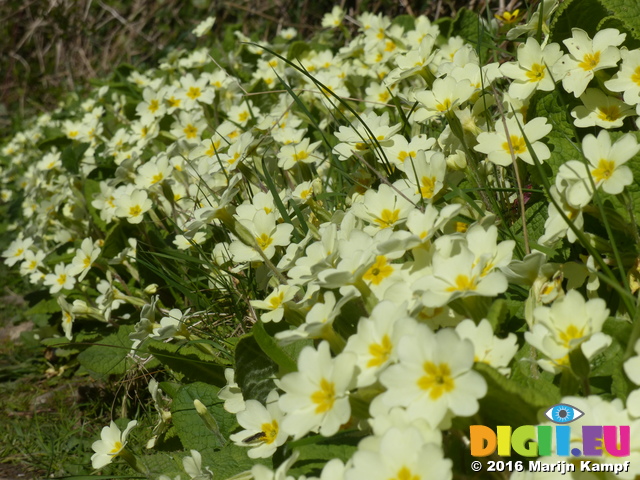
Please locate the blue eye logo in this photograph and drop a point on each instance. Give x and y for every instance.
(563, 413)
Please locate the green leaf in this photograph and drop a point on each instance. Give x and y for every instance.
(561, 141)
(298, 50)
(255, 371)
(189, 361)
(407, 22)
(314, 456)
(162, 464)
(627, 12)
(110, 355)
(270, 347)
(44, 306)
(497, 313)
(230, 461)
(193, 432)
(584, 14)
(511, 403)
(72, 156)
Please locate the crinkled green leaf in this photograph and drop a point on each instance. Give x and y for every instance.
(561, 140)
(230, 461)
(110, 355)
(255, 371)
(269, 346)
(627, 12)
(163, 464)
(192, 430)
(584, 14)
(188, 361)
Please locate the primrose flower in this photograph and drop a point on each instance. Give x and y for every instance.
(586, 56)
(383, 208)
(555, 227)
(498, 150)
(400, 454)
(61, 278)
(627, 80)
(333, 18)
(376, 341)
(261, 427)
(316, 396)
(85, 256)
(204, 27)
(488, 348)
(17, 251)
(446, 95)
(231, 393)
(459, 275)
(606, 165)
(303, 152)
(434, 376)
(356, 137)
(133, 206)
(275, 303)
(266, 235)
(531, 71)
(600, 110)
(402, 151)
(569, 323)
(110, 445)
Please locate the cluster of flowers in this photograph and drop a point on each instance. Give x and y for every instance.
(201, 150)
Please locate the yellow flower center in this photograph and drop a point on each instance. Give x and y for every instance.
(609, 114)
(116, 448)
(190, 131)
(635, 78)
(444, 106)
(463, 284)
(378, 271)
(387, 217)
(380, 352)
(276, 300)
(325, 397)
(264, 241)
(405, 474)
(243, 116)
(193, 93)
(427, 186)
(174, 102)
(135, 211)
(437, 379)
(517, 143)
(154, 105)
(590, 61)
(19, 252)
(402, 156)
(157, 178)
(86, 262)
(62, 279)
(571, 333)
(270, 431)
(301, 156)
(604, 171)
(383, 97)
(536, 73)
